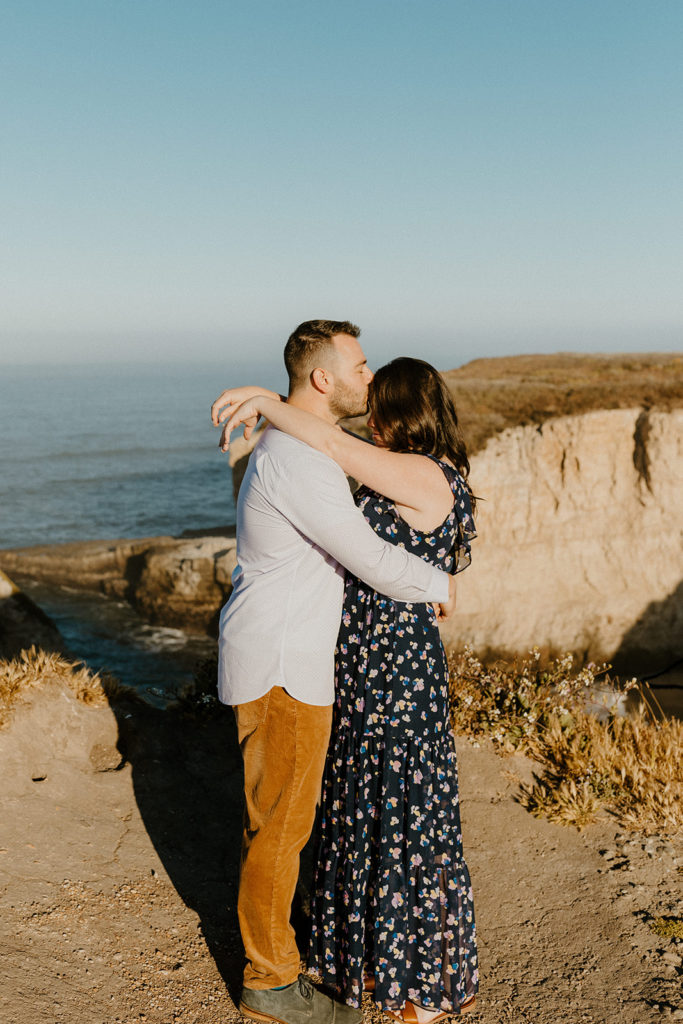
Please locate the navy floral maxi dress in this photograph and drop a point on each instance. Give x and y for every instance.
(392, 895)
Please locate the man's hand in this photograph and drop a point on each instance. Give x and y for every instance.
(444, 611)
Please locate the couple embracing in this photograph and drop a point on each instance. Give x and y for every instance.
(363, 730)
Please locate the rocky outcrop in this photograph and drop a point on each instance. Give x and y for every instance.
(185, 584)
(181, 582)
(52, 733)
(23, 623)
(580, 527)
(107, 566)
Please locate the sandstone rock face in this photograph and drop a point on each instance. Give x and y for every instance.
(580, 539)
(51, 734)
(23, 623)
(186, 583)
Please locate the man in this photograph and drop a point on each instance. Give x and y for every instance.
(298, 529)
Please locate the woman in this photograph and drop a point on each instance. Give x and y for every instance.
(392, 904)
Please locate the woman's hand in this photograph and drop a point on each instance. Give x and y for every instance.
(247, 413)
(230, 400)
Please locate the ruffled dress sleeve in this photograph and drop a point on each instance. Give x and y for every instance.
(465, 531)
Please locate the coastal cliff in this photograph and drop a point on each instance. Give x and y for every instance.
(120, 857)
(580, 539)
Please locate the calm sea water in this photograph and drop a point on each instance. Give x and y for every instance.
(104, 452)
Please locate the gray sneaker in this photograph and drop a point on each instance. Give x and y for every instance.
(298, 1003)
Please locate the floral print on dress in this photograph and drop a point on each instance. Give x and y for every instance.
(392, 895)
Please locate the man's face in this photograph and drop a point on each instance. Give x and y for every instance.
(352, 378)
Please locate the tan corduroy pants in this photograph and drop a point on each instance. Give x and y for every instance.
(283, 744)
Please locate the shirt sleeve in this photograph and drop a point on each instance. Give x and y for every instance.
(314, 496)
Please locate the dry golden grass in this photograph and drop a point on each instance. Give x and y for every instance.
(35, 667)
(668, 927)
(493, 394)
(630, 768)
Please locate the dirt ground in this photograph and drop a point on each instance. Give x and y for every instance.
(118, 880)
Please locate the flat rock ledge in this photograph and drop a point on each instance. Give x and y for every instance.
(181, 582)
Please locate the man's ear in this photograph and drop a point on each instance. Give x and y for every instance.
(321, 380)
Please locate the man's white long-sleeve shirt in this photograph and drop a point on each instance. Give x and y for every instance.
(298, 528)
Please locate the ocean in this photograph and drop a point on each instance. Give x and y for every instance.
(101, 452)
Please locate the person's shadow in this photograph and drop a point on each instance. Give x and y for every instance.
(188, 783)
(187, 778)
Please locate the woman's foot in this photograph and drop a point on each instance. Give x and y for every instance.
(421, 1015)
(413, 1013)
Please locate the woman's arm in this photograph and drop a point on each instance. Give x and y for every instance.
(406, 478)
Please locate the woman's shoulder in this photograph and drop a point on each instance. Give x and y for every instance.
(452, 474)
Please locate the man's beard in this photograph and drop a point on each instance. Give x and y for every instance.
(346, 403)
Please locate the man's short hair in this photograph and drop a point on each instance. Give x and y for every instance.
(309, 342)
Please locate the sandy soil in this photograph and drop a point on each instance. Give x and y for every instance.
(118, 878)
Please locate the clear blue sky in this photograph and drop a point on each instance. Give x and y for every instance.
(460, 177)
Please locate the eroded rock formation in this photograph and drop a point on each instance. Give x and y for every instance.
(580, 539)
(186, 583)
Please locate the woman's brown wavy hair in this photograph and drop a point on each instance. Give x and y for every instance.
(413, 411)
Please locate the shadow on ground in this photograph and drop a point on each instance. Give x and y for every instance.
(188, 784)
(187, 778)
